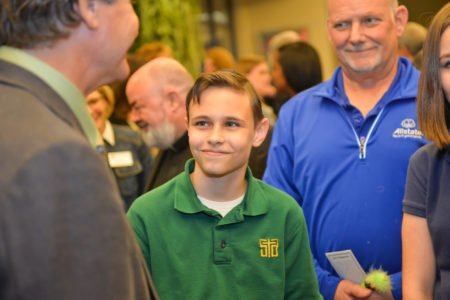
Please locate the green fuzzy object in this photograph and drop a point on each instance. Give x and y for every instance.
(378, 280)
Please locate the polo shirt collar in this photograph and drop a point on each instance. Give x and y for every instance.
(71, 94)
(399, 89)
(255, 201)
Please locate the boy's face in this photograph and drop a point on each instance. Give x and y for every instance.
(222, 132)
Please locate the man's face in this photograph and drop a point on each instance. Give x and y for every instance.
(363, 33)
(118, 29)
(222, 132)
(148, 112)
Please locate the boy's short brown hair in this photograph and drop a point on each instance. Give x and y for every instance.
(227, 79)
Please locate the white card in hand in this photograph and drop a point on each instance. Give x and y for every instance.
(347, 266)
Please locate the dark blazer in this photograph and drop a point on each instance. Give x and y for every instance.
(63, 232)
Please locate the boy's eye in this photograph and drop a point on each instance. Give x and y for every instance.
(232, 124)
(201, 123)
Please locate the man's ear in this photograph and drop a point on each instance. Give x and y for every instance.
(88, 10)
(401, 18)
(173, 100)
(329, 27)
(260, 132)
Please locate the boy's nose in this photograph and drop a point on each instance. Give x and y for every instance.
(216, 135)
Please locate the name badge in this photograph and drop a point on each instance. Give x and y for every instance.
(120, 159)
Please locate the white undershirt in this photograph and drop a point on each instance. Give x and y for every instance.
(222, 207)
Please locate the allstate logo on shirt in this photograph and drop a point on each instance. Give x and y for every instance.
(408, 130)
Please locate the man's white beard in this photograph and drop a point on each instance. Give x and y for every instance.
(162, 137)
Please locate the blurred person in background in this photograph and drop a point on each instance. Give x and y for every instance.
(157, 94)
(256, 69)
(153, 50)
(128, 155)
(296, 67)
(411, 42)
(218, 58)
(280, 39)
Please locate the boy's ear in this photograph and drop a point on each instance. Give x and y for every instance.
(260, 132)
(88, 10)
(186, 122)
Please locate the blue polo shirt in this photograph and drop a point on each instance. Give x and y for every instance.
(348, 172)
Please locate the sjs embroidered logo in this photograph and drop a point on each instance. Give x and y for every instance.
(408, 130)
(269, 247)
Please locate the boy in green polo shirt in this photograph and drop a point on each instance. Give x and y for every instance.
(214, 231)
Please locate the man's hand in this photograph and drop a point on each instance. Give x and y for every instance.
(377, 296)
(347, 290)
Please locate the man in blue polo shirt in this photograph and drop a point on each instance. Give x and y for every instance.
(341, 148)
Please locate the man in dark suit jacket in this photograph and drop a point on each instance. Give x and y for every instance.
(63, 232)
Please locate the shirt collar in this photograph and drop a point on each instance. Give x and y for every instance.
(255, 201)
(399, 89)
(71, 94)
(108, 134)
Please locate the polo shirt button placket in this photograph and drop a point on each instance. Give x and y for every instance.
(223, 244)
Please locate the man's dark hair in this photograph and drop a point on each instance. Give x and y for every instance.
(31, 23)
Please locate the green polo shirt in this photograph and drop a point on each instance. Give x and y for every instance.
(71, 94)
(259, 250)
